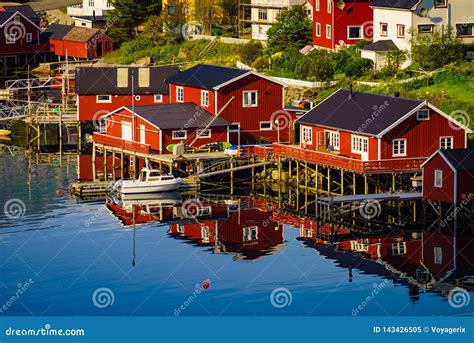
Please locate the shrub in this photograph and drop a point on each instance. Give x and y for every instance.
(261, 63)
(250, 51)
(317, 65)
(357, 66)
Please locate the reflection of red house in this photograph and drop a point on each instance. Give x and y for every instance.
(448, 176)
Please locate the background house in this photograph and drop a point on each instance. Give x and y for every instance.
(91, 13)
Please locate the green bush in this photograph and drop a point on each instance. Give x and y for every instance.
(287, 60)
(357, 66)
(261, 63)
(136, 45)
(251, 51)
(318, 65)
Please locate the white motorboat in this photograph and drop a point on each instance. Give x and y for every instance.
(150, 181)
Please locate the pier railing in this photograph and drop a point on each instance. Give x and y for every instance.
(121, 144)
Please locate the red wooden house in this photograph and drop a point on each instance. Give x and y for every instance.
(448, 176)
(253, 103)
(101, 90)
(341, 23)
(152, 128)
(77, 42)
(374, 133)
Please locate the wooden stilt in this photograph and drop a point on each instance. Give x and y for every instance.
(113, 165)
(122, 164)
(94, 170)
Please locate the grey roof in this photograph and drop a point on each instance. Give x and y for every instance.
(89, 17)
(381, 45)
(460, 159)
(178, 116)
(362, 112)
(206, 76)
(56, 31)
(400, 4)
(7, 11)
(103, 80)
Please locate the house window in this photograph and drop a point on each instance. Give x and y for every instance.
(400, 31)
(250, 98)
(29, 37)
(399, 147)
(307, 134)
(438, 255)
(17, 20)
(235, 127)
(102, 126)
(423, 114)
(179, 94)
(328, 31)
(205, 233)
(383, 29)
(179, 134)
(180, 228)
(360, 144)
(354, 32)
(170, 10)
(446, 142)
(262, 14)
(265, 125)
(438, 178)
(317, 5)
(465, 30)
(100, 99)
(204, 98)
(329, 6)
(399, 248)
(250, 233)
(91, 3)
(204, 133)
(334, 140)
(158, 98)
(10, 39)
(441, 3)
(318, 29)
(428, 28)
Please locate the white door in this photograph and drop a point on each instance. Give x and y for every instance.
(126, 130)
(142, 134)
(365, 150)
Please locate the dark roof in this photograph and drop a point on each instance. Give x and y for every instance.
(362, 112)
(381, 45)
(460, 159)
(89, 17)
(103, 80)
(401, 4)
(206, 76)
(178, 116)
(4, 16)
(56, 31)
(26, 10)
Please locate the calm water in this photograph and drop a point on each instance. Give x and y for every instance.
(63, 250)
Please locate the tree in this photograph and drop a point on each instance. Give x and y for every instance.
(317, 65)
(230, 13)
(205, 12)
(394, 59)
(250, 51)
(358, 66)
(291, 29)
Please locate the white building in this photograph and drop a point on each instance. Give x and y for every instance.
(91, 13)
(395, 21)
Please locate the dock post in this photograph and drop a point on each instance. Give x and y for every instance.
(113, 164)
(104, 163)
(393, 182)
(297, 174)
(316, 180)
(354, 184)
(342, 181)
(231, 175)
(306, 176)
(279, 169)
(329, 180)
(366, 185)
(122, 164)
(289, 169)
(94, 171)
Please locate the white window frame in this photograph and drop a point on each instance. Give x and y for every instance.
(17, 20)
(382, 32)
(205, 233)
(438, 178)
(317, 5)
(441, 6)
(400, 26)
(179, 138)
(318, 30)
(399, 248)
(356, 145)
(307, 134)
(250, 229)
(397, 143)
(437, 255)
(334, 135)
(449, 139)
(328, 31)
(430, 31)
(268, 128)
(244, 96)
(199, 133)
(158, 98)
(262, 14)
(108, 101)
(179, 94)
(361, 32)
(329, 6)
(205, 98)
(423, 110)
(10, 38)
(234, 130)
(29, 37)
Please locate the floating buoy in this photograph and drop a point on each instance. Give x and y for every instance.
(58, 192)
(205, 284)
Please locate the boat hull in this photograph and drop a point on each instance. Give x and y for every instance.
(5, 132)
(137, 187)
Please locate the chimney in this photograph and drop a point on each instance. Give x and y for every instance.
(350, 91)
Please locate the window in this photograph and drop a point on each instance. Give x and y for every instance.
(262, 14)
(328, 31)
(250, 98)
(399, 248)
(204, 98)
(464, 30)
(423, 114)
(441, 3)
(317, 5)
(360, 144)
(307, 134)
(179, 94)
(205, 233)
(384, 29)
(329, 6)
(399, 147)
(318, 29)
(158, 98)
(102, 126)
(10, 38)
(250, 233)
(235, 127)
(170, 9)
(354, 32)
(400, 31)
(334, 139)
(179, 134)
(204, 133)
(91, 3)
(438, 255)
(100, 99)
(29, 37)
(428, 28)
(180, 228)
(265, 125)
(438, 178)
(446, 142)
(17, 20)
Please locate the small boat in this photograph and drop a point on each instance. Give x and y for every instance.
(150, 181)
(4, 132)
(5, 138)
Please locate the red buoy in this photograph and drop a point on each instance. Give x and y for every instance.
(58, 192)
(205, 284)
